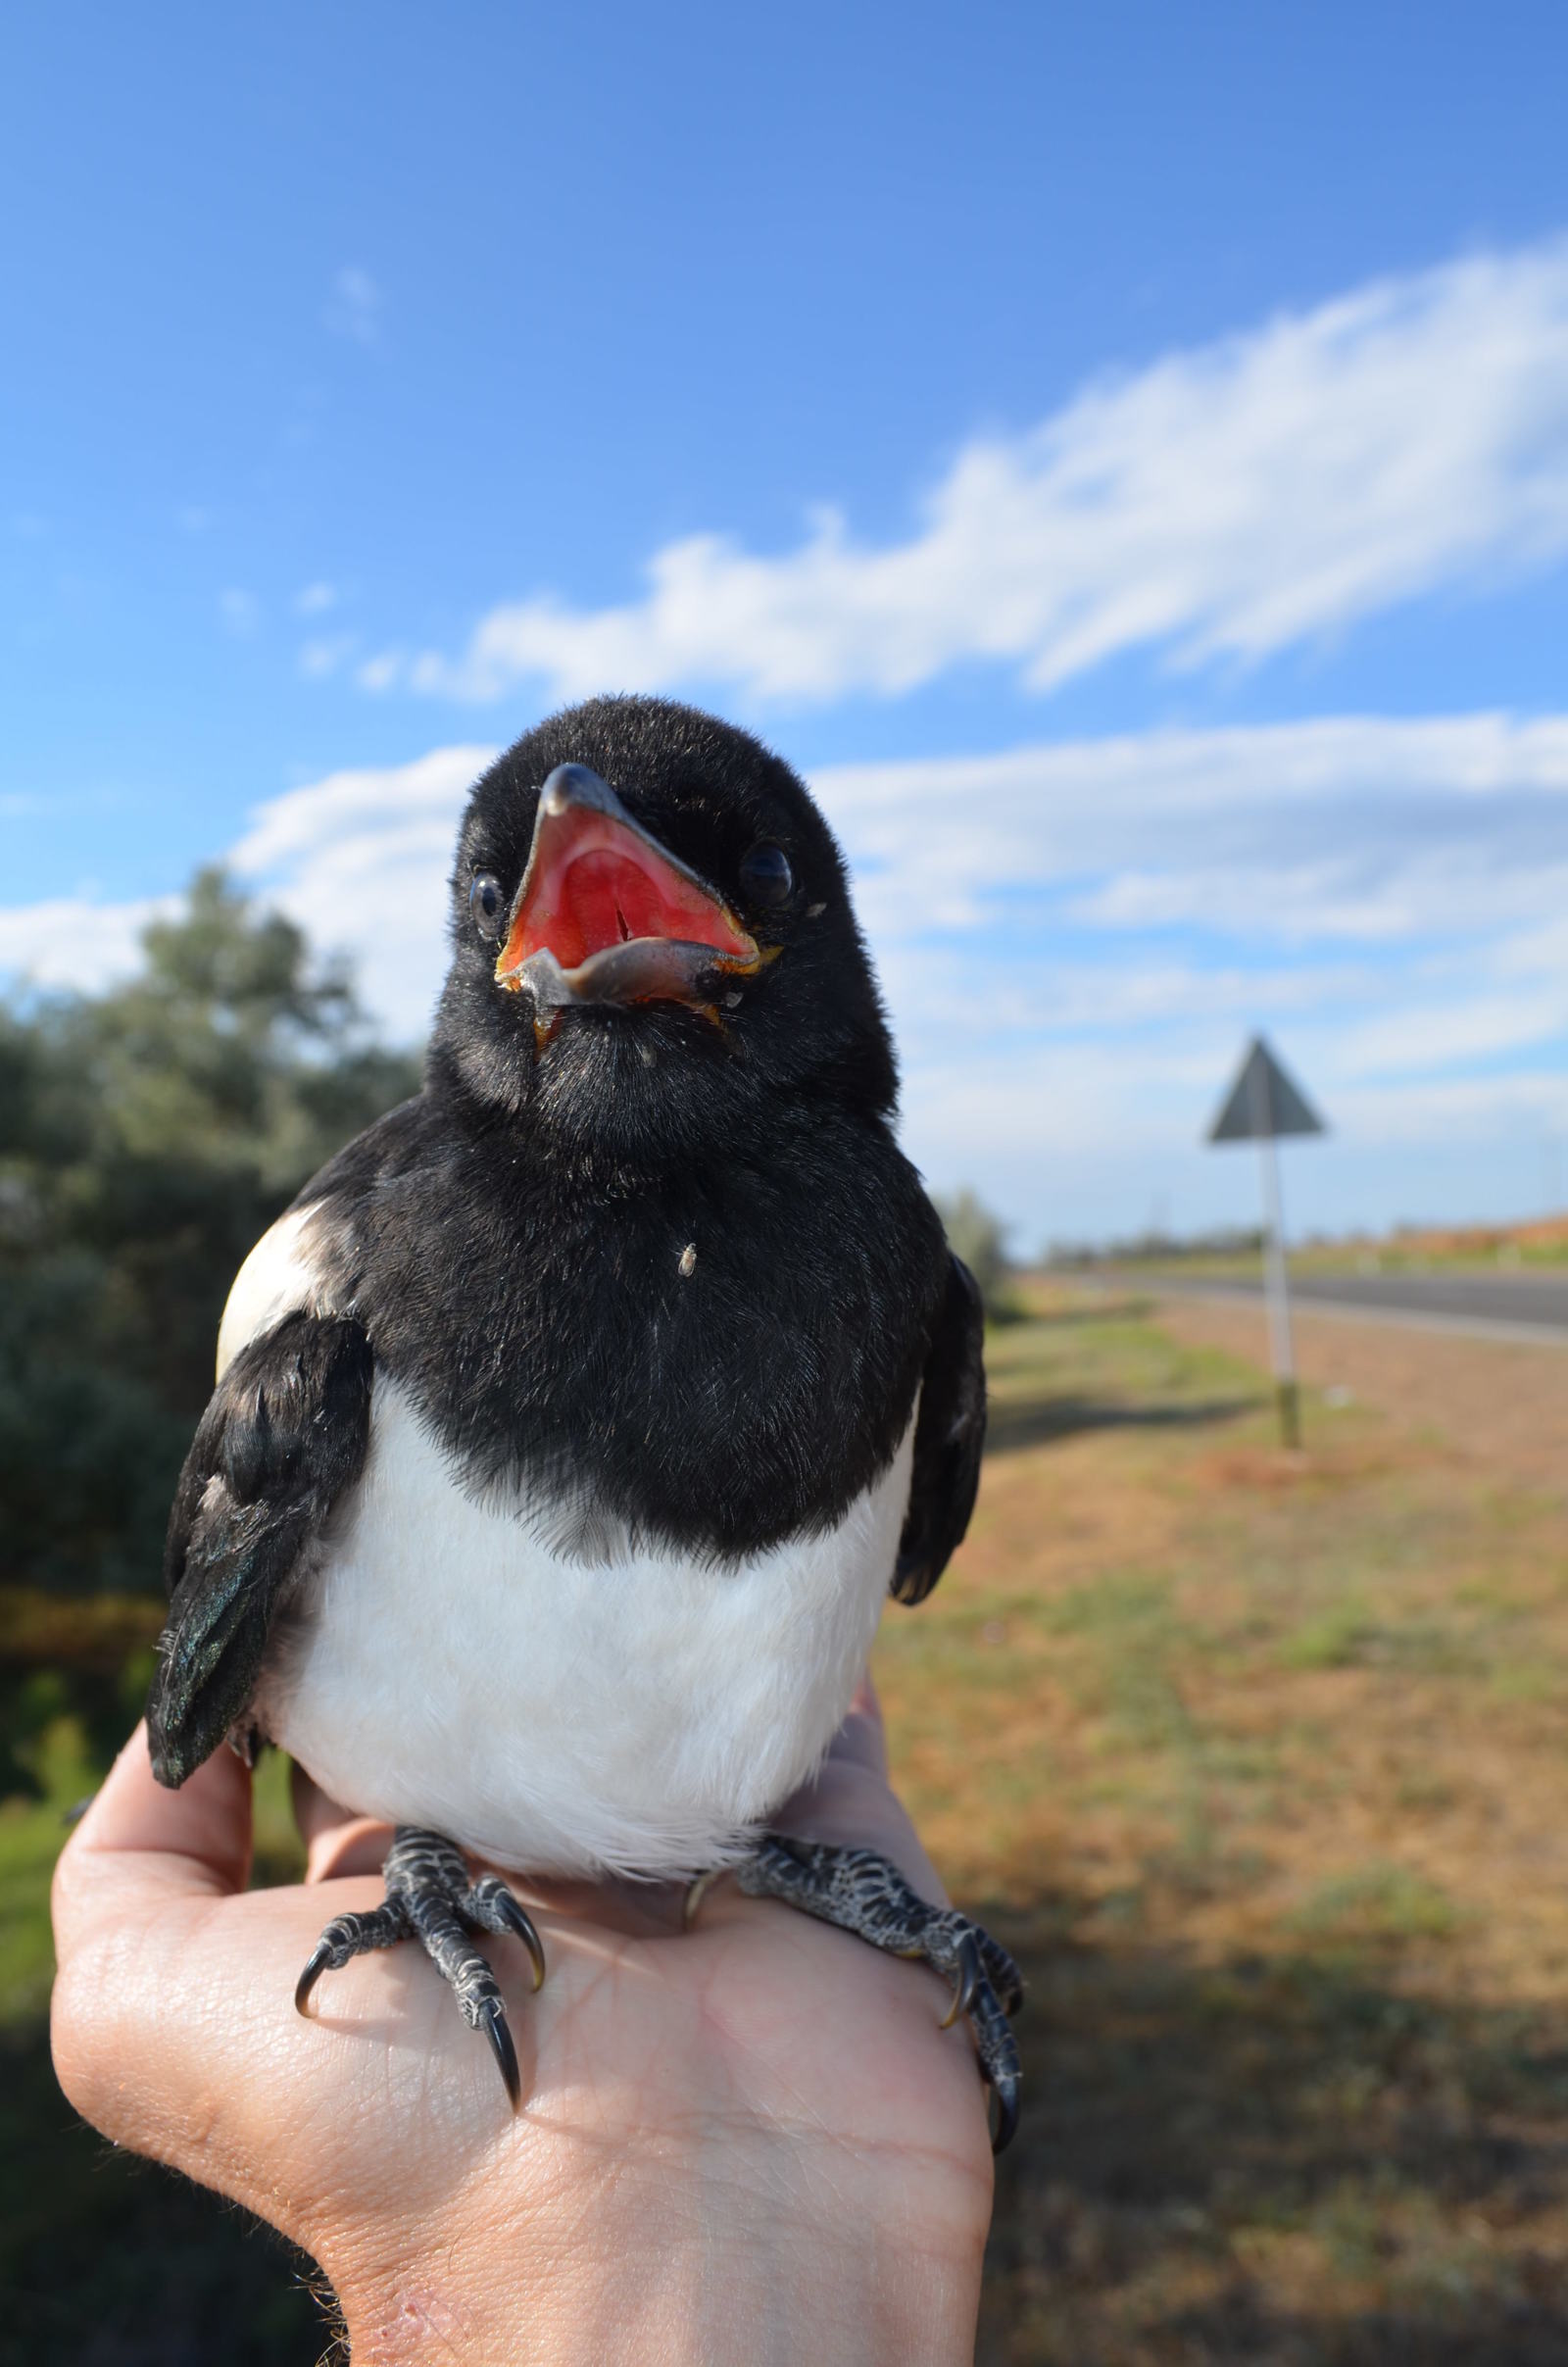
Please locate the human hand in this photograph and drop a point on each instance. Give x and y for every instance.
(743, 2141)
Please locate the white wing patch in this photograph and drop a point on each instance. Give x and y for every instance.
(281, 1276)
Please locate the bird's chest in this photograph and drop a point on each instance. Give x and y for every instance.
(726, 1359)
(561, 1697)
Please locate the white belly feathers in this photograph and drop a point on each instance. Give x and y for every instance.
(446, 1664)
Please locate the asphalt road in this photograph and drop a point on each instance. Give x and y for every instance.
(1520, 1306)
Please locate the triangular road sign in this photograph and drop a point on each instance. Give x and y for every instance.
(1264, 1101)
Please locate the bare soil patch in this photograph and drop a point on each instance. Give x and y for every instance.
(1503, 1407)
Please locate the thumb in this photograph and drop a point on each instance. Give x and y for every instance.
(139, 1845)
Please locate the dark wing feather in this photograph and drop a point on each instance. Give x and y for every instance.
(285, 1433)
(948, 1439)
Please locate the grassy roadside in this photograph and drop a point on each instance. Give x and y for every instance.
(1255, 1760)
(1538, 1246)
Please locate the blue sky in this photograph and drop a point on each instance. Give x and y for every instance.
(1121, 455)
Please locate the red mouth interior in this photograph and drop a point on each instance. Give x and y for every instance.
(596, 884)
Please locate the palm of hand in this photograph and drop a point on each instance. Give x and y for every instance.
(667, 2075)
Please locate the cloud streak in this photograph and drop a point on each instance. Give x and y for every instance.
(361, 861)
(51, 944)
(1075, 936)
(355, 306)
(1223, 503)
(1350, 828)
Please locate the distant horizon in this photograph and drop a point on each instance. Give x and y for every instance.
(1241, 1238)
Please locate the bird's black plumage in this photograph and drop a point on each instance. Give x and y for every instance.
(808, 1034)
(284, 1435)
(511, 1244)
(548, 1332)
(645, 1261)
(948, 1437)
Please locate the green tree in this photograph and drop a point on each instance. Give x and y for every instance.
(980, 1239)
(147, 1135)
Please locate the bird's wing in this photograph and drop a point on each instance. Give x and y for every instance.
(284, 1435)
(949, 1436)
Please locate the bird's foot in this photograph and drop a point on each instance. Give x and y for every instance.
(432, 1897)
(861, 1893)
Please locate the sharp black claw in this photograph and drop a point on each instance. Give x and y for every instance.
(1005, 2091)
(969, 1979)
(518, 1920)
(496, 2030)
(321, 1958)
(696, 1893)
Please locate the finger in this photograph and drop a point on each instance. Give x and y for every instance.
(861, 1738)
(174, 2032)
(336, 1841)
(867, 1702)
(850, 1802)
(140, 1843)
(855, 1810)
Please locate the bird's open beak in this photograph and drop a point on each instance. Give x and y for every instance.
(605, 915)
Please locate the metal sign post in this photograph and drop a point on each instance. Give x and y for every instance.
(1261, 1105)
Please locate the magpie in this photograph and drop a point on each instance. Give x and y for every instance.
(573, 1423)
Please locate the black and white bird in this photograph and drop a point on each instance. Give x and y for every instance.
(573, 1423)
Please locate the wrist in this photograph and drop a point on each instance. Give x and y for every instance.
(685, 2271)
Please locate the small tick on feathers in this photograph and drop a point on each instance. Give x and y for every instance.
(506, 1543)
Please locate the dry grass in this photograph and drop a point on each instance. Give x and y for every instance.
(1258, 1760)
(1542, 1238)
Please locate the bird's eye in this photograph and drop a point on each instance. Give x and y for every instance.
(765, 875)
(488, 905)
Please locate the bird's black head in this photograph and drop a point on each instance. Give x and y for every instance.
(653, 944)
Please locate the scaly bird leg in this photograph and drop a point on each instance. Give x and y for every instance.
(858, 1891)
(431, 1898)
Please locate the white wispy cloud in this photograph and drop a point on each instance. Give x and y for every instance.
(1345, 828)
(325, 653)
(381, 672)
(360, 861)
(240, 611)
(75, 941)
(1111, 918)
(1224, 502)
(354, 307)
(315, 599)
(1074, 937)
(1452, 1025)
(1324, 864)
